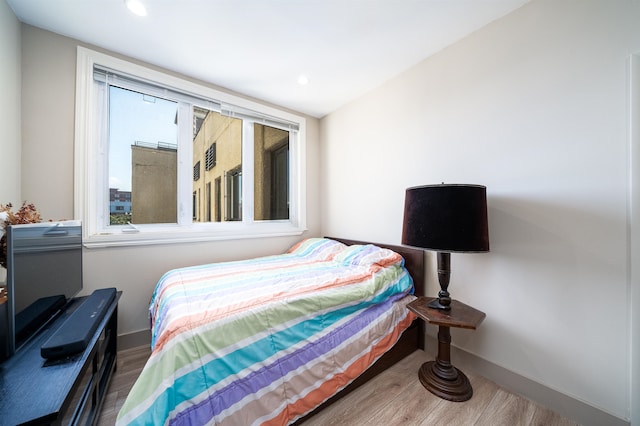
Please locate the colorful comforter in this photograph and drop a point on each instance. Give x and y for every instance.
(267, 340)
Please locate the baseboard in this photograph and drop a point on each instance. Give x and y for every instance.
(558, 402)
(134, 340)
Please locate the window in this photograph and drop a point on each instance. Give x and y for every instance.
(141, 137)
(208, 207)
(196, 171)
(194, 206)
(233, 195)
(218, 203)
(210, 157)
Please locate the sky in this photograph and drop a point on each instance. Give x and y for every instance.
(136, 117)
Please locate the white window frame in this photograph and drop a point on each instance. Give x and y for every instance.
(91, 192)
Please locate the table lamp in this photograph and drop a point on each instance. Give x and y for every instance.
(446, 218)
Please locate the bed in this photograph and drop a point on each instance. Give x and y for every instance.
(274, 339)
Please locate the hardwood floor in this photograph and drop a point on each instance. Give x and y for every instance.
(128, 368)
(395, 397)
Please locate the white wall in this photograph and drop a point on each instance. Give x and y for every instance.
(48, 106)
(10, 82)
(634, 299)
(9, 110)
(534, 107)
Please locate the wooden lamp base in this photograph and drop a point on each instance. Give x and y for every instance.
(454, 387)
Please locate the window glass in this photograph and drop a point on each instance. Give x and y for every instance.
(142, 158)
(271, 173)
(217, 143)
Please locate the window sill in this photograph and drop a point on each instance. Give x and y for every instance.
(144, 238)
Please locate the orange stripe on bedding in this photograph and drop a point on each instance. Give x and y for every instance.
(316, 397)
(388, 261)
(194, 321)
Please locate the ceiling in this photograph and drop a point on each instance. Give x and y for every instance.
(260, 48)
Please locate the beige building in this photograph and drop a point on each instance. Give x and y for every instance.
(217, 169)
(217, 173)
(154, 183)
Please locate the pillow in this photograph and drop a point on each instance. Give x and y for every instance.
(367, 255)
(317, 248)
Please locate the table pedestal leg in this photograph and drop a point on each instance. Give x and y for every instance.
(440, 377)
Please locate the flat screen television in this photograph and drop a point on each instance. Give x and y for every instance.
(44, 273)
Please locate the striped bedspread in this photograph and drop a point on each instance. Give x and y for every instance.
(265, 341)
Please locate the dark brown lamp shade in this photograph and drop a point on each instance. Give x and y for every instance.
(446, 218)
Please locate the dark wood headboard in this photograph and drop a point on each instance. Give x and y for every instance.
(413, 260)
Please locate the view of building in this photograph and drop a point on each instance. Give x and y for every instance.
(217, 169)
(119, 202)
(217, 175)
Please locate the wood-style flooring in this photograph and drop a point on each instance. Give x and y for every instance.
(395, 397)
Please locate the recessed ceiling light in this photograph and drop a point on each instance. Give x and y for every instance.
(303, 80)
(136, 7)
